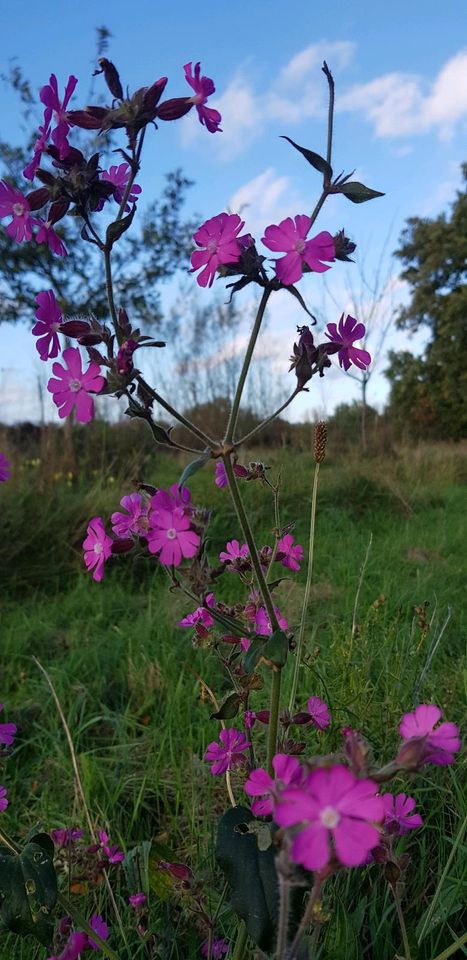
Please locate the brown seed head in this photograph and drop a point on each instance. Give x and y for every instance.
(321, 436)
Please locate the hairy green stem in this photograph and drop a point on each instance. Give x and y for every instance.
(240, 943)
(330, 79)
(402, 925)
(307, 916)
(284, 913)
(246, 366)
(176, 413)
(264, 423)
(306, 597)
(274, 716)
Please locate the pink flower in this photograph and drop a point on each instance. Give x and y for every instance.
(200, 615)
(137, 900)
(175, 497)
(4, 468)
(288, 772)
(234, 552)
(100, 927)
(319, 712)
(66, 838)
(7, 732)
(51, 100)
(219, 948)
(289, 555)
(47, 234)
(344, 336)
(29, 172)
(113, 853)
(203, 87)
(171, 537)
(119, 177)
(136, 520)
(221, 478)
(73, 386)
(335, 813)
(440, 744)
(77, 943)
(14, 204)
(263, 623)
(49, 318)
(229, 752)
(399, 818)
(3, 799)
(290, 235)
(97, 547)
(218, 238)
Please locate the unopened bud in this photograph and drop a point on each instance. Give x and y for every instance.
(356, 749)
(321, 436)
(122, 546)
(174, 109)
(125, 357)
(75, 328)
(38, 198)
(179, 871)
(412, 754)
(343, 246)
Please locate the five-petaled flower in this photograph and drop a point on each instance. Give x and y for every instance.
(97, 547)
(4, 468)
(170, 535)
(290, 236)
(219, 244)
(263, 623)
(137, 900)
(430, 743)
(200, 615)
(7, 732)
(58, 108)
(136, 520)
(49, 318)
(335, 814)
(399, 817)
(229, 752)
(203, 87)
(73, 386)
(288, 772)
(289, 554)
(344, 335)
(14, 204)
(47, 234)
(119, 176)
(66, 837)
(113, 853)
(319, 712)
(234, 553)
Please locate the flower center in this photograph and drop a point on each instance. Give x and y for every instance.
(98, 548)
(329, 817)
(55, 327)
(300, 246)
(74, 385)
(18, 209)
(171, 534)
(211, 247)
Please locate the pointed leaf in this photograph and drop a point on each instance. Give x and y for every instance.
(358, 193)
(229, 708)
(118, 227)
(193, 467)
(276, 649)
(318, 162)
(254, 653)
(296, 293)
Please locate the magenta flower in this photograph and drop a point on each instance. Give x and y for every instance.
(97, 547)
(113, 853)
(74, 386)
(119, 177)
(218, 240)
(47, 234)
(290, 236)
(335, 813)
(175, 497)
(171, 536)
(439, 744)
(3, 799)
(219, 948)
(136, 520)
(203, 87)
(229, 752)
(399, 817)
(288, 772)
(344, 336)
(5, 465)
(137, 900)
(263, 623)
(200, 615)
(288, 554)
(14, 204)
(100, 927)
(7, 732)
(51, 100)
(221, 478)
(319, 712)
(234, 552)
(77, 943)
(65, 838)
(29, 172)
(49, 318)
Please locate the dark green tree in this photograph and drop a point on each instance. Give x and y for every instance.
(429, 393)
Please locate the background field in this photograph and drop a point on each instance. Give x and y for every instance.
(122, 668)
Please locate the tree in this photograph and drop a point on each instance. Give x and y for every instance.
(429, 392)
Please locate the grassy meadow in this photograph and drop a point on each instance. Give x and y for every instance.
(126, 676)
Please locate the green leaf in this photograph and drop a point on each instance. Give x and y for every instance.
(254, 653)
(118, 227)
(229, 708)
(318, 162)
(160, 434)
(276, 648)
(341, 938)
(28, 889)
(357, 192)
(295, 293)
(193, 467)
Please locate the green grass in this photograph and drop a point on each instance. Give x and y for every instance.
(123, 674)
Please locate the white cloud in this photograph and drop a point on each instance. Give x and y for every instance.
(299, 67)
(398, 106)
(265, 199)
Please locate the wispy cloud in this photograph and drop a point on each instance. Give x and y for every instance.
(265, 199)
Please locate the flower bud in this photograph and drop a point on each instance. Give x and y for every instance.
(179, 871)
(124, 322)
(305, 354)
(174, 109)
(125, 357)
(57, 210)
(153, 94)
(74, 328)
(356, 750)
(122, 546)
(412, 754)
(343, 247)
(38, 198)
(91, 118)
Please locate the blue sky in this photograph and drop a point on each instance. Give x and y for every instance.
(401, 120)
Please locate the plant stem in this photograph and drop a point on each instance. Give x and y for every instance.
(306, 597)
(402, 925)
(246, 366)
(176, 414)
(284, 911)
(240, 943)
(264, 423)
(274, 716)
(330, 79)
(307, 916)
